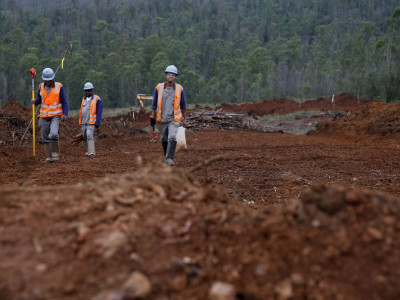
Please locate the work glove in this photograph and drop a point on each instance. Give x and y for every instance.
(97, 126)
(152, 121)
(63, 118)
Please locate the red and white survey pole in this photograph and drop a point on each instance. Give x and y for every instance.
(32, 72)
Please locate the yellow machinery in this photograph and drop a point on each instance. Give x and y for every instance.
(140, 98)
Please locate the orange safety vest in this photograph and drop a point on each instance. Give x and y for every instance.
(51, 105)
(92, 110)
(177, 102)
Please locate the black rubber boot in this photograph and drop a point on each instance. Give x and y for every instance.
(165, 146)
(47, 152)
(55, 149)
(169, 160)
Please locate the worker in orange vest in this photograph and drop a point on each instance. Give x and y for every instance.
(90, 118)
(168, 110)
(54, 106)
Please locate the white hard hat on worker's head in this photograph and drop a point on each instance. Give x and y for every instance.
(88, 86)
(171, 69)
(48, 74)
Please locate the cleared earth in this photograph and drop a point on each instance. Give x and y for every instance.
(272, 214)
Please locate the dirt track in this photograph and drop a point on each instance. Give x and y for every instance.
(271, 219)
(262, 168)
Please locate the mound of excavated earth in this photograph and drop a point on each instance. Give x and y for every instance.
(377, 121)
(342, 102)
(158, 234)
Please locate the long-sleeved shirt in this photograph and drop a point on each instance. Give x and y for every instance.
(155, 97)
(86, 107)
(63, 100)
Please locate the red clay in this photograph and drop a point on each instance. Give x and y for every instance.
(282, 216)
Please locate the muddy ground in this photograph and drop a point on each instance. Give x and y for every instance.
(254, 208)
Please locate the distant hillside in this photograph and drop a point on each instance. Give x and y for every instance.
(226, 51)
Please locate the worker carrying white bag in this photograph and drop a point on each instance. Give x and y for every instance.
(168, 111)
(181, 138)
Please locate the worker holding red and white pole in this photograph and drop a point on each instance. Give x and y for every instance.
(54, 107)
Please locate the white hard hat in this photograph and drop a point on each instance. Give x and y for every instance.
(48, 74)
(88, 86)
(171, 69)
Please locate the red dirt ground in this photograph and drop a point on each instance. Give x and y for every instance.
(278, 217)
(341, 102)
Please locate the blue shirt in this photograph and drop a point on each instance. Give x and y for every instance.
(86, 107)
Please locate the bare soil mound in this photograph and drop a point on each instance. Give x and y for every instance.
(14, 118)
(128, 123)
(342, 102)
(376, 120)
(157, 234)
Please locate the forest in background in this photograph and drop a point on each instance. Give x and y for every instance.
(225, 50)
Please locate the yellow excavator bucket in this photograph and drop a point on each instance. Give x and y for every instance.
(141, 97)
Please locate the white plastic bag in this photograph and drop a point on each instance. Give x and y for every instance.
(181, 138)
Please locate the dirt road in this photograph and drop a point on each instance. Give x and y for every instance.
(261, 168)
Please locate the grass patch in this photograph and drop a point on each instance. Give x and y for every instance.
(112, 112)
(193, 105)
(119, 111)
(298, 115)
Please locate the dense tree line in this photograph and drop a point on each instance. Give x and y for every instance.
(225, 50)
